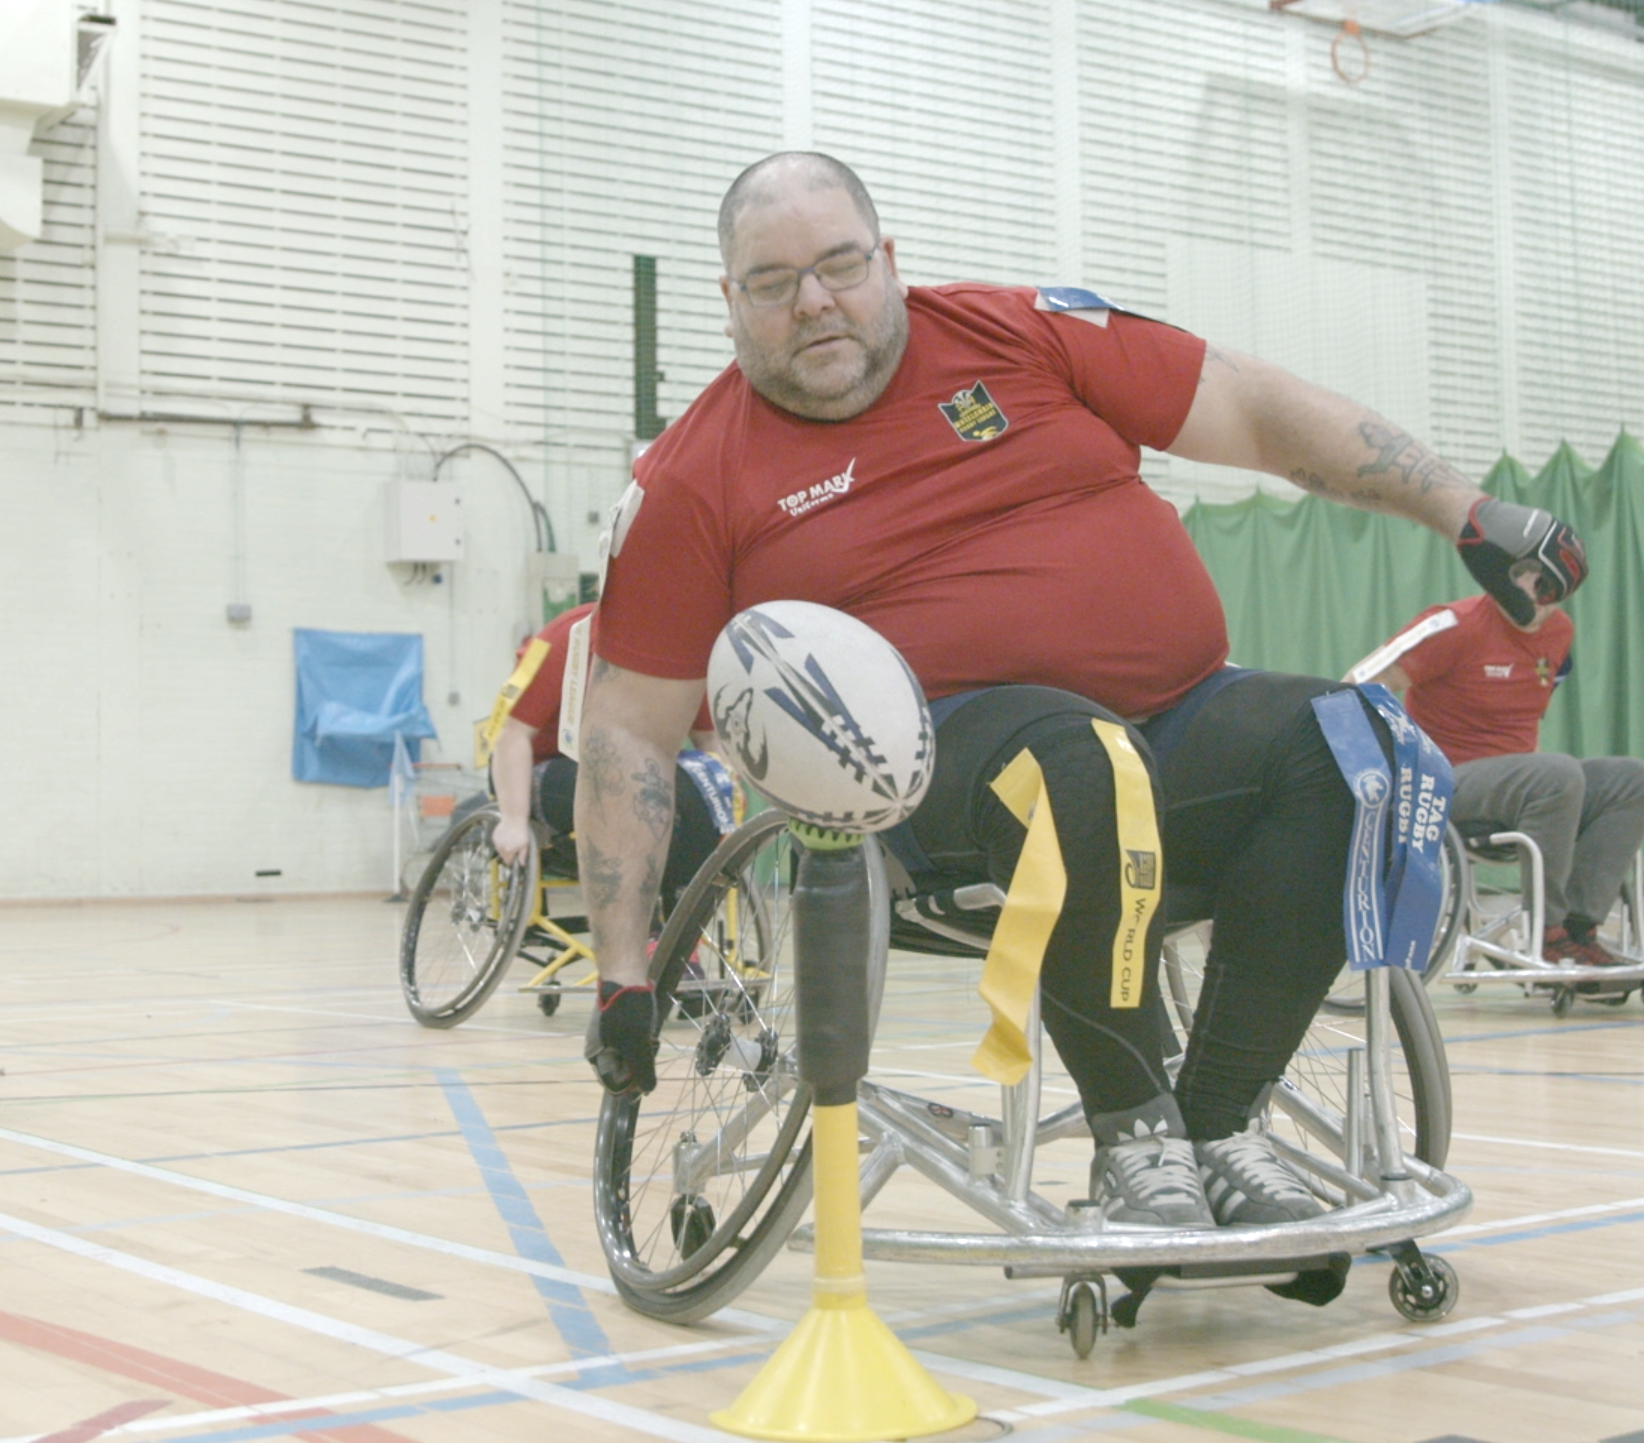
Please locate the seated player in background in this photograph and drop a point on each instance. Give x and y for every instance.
(1479, 682)
(533, 779)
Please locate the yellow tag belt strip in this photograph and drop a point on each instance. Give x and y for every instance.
(530, 663)
(1038, 888)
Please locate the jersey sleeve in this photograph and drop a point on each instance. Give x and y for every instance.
(1428, 655)
(538, 704)
(667, 590)
(1139, 376)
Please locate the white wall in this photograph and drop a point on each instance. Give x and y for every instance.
(416, 218)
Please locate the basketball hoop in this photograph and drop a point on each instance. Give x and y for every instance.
(1351, 62)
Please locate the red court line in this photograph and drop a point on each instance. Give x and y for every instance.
(199, 1384)
(96, 1427)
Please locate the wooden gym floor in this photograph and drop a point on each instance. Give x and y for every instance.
(243, 1196)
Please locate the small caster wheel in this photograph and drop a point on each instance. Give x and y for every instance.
(692, 1222)
(1426, 1291)
(1082, 1313)
(1081, 1322)
(548, 1003)
(1563, 1001)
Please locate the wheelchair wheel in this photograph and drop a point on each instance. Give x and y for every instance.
(699, 1183)
(464, 923)
(1452, 876)
(1307, 1110)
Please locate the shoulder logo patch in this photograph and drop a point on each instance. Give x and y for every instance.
(974, 414)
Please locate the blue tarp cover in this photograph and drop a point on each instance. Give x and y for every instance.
(356, 691)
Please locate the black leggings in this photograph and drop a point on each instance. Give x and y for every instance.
(1255, 820)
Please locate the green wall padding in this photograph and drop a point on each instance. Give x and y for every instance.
(1311, 586)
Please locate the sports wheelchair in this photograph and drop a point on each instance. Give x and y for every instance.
(470, 916)
(698, 1184)
(1490, 928)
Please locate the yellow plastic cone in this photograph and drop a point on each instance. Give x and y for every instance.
(841, 1376)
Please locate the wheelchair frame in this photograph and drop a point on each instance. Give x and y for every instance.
(1483, 938)
(470, 917)
(691, 1208)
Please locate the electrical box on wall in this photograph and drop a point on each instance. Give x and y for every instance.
(423, 521)
(553, 575)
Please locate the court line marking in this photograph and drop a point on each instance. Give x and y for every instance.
(385, 1344)
(1548, 1146)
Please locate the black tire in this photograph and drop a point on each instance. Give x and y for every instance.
(1305, 1112)
(464, 923)
(698, 1184)
(1451, 872)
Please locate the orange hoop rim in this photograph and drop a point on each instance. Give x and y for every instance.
(1349, 28)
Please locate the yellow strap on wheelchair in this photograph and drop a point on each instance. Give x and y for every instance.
(1032, 905)
(1038, 887)
(524, 673)
(1140, 873)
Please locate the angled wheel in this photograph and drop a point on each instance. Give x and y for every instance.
(464, 923)
(1428, 1293)
(699, 1183)
(1309, 1111)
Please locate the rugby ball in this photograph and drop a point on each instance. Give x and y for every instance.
(820, 715)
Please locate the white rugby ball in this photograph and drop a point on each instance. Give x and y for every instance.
(821, 716)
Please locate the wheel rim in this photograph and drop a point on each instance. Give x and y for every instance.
(466, 906)
(722, 1129)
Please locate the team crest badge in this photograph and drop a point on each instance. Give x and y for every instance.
(974, 414)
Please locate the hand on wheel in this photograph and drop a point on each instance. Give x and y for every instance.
(625, 1053)
(1502, 540)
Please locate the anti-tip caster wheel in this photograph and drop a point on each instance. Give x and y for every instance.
(1425, 1291)
(548, 1003)
(1563, 1000)
(1082, 1316)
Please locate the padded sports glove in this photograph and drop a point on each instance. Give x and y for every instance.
(623, 1051)
(1502, 540)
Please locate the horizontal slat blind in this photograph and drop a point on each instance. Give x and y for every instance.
(625, 122)
(48, 336)
(303, 176)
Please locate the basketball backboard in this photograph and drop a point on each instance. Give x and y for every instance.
(1398, 18)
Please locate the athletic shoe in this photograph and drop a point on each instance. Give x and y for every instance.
(1560, 946)
(1246, 1181)
(1150, 1182)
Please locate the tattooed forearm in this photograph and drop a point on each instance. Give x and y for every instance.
(1214, 357)
(601, 874)
(654, 801)
(600, 766)
(1398, 454)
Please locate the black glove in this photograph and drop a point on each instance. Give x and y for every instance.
(623, 1050)
(1502, 540)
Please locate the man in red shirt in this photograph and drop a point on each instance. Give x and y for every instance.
(1478, 683)
(532, 778)
(957, 466)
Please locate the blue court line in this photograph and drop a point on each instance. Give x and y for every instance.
(566, 1306)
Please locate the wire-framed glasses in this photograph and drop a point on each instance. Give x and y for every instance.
(779, 285)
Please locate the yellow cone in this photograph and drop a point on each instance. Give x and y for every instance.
(841, 1376)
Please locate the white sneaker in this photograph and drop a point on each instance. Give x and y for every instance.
(1246, 1181)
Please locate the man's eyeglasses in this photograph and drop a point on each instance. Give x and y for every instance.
(777, 287)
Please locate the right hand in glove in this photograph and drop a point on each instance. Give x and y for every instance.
(1502, 540)
(623, 1048)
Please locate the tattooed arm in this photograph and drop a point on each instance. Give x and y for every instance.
(632, 726)
(1251, 414)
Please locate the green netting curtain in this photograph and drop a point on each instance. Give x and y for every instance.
(1311, 586)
